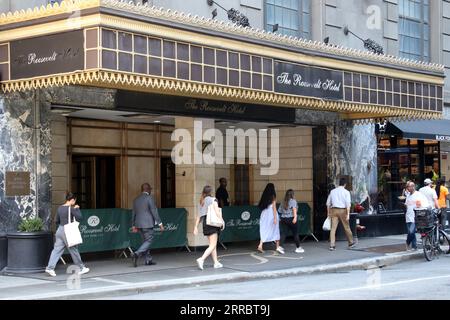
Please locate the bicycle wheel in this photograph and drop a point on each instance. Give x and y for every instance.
(428, 249)
(444, 243)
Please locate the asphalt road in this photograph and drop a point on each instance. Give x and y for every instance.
(415, 279)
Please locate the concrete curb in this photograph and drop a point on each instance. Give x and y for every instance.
(143, 287)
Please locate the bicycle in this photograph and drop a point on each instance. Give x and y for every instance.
(435, 240)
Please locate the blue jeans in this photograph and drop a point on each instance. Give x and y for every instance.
(411, 238)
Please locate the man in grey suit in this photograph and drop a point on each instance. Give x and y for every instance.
(145, 218)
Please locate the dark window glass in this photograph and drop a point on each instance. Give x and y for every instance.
(397, 100)
(433, 104)
(365, 96)
(418, 103)
(169, 49)
(109, 59)
(125, 62)
(365, 81)
(439, 105)
(373, 96)
(348, 79)
(221, 58)
(411, 88)
(418, 89)
(268, 83)
(256, 81)
(381, 98)
(389, 85)
(411, 102)
(245, 62)
(196, 72)
(348, 94)
(125, 42)
(183, 70)
(404, 88)
(267, 66)
(140, 44)
(222, 77)
(154, 66)
(154, 47)
(233, 60)
(397, 86)
(169, 68)
(140, 64)
(426, 90)
(432, 91)
(183, 51)
(404, 100)
(210, 75)
(381, 83)
(426, 103)
(208, 56)
(256, 64)
(234, 78)
(357, 95)
(245, 79)
(389, 99)
(109, 39)
(356, 80)
(196, 54)
(373, 82)
(439, 92)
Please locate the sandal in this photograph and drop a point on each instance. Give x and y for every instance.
(260, 250)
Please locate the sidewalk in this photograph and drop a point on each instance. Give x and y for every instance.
(178, 269)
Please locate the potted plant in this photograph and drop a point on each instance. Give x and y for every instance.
(29, 248)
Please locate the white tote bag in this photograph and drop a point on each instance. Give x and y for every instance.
(214, 216)
(327, 224)
(72, 232)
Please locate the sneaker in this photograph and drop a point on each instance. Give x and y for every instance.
(218, 265)
(352, 245)
(84, 270)
(280, 250)
(50, 272)
(299, 250)
(332, 248)
(200, 263)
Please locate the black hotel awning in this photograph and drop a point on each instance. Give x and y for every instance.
(423, 129)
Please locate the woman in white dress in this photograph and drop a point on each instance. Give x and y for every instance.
(269, 223)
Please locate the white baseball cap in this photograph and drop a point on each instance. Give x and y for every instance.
(427, 181)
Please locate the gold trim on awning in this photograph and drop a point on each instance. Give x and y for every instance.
(132, 82)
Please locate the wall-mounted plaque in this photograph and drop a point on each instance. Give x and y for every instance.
(17, 183)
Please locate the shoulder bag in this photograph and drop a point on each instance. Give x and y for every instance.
(72, 232)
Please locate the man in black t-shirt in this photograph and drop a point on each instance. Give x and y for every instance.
(222, 193)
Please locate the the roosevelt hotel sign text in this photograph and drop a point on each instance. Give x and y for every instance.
(308, 81)
(47, 55)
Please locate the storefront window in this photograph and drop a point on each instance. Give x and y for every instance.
(401, 160)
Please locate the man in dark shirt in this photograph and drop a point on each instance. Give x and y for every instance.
(222, 193)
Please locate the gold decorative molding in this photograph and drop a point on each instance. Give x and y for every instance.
(119, 80)
(68, 6)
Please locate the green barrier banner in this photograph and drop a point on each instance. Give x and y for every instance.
(104, 229)
(174, 234)
(241, 223)
(110, 229)
(303, 220)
